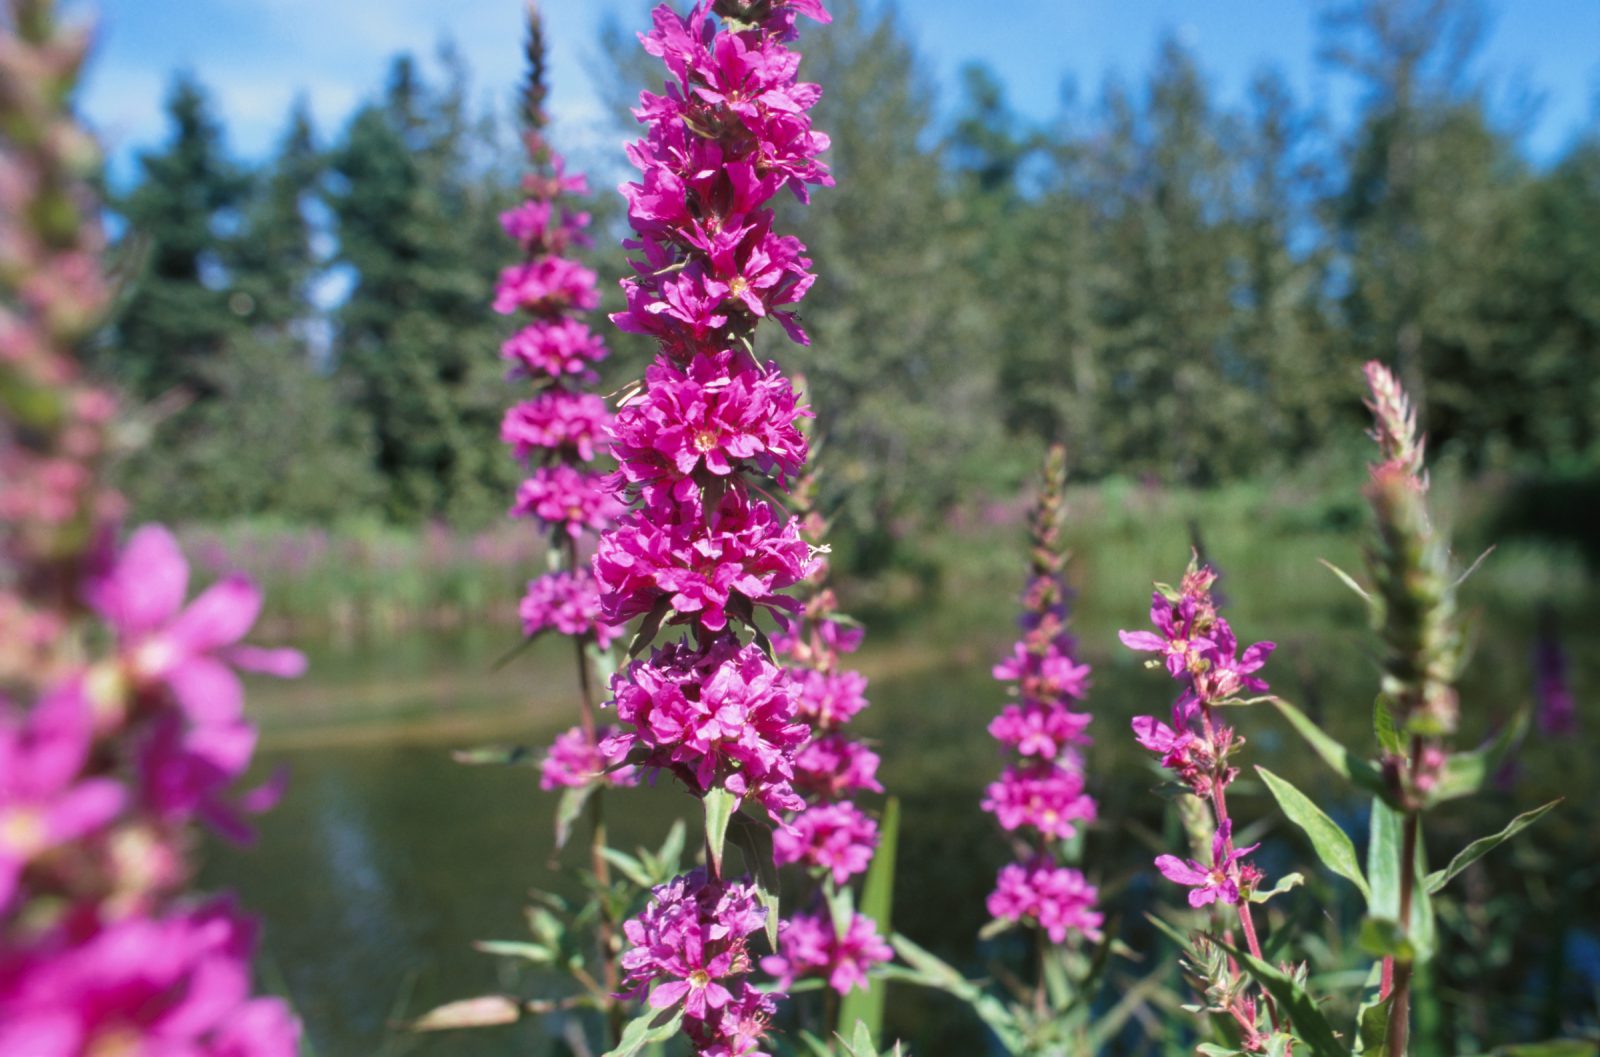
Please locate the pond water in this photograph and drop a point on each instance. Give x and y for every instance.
(386, 859)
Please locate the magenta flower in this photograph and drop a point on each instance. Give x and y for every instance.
(1222, 880)
(546, 286)
(188, 772)
(177, 985)
(568, 499)
(1044, 676)
(809, 946)
(44, 800)
(700, 564)
(190, 650)
(722, 716)
(832, 766)
(714, 416)
(572, 424)
(828, 700)
(688, 940)
(557, 348)
(567, 602)
(1045, 796)
(838, 838)
(1197, 645)
(1038, 729)
(1050, 897)
(575, 761)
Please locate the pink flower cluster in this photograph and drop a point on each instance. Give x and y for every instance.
(1040, 796)
(574, 761)
(1053, 898)
(689, 948)
(100, 781)
(730, 132)
(106, 765)
(812, 947)
(566, 602)
(560, 428)
(1200, 651)
(722, 716)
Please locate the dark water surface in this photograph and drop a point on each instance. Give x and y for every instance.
(386, 859)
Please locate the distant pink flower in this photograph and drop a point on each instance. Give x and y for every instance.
(190, 650)
(1219, 881)
(1037, 729)
(829, 699)
(722, 717)
(832, 766)
(1054, 898)
(44, 800)
(557, 348)
(1044, 676)
(542, 227)
(1045, 796)
(572, 424)
(1558, 711)
(546, 285)
(566, 498)
(809, 946)
(839, 838)
(575, 761)
(566, 602)
(188, 772)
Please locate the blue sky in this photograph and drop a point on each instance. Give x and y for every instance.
(255, 55)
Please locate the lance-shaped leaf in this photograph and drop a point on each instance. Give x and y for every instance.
(496, 755)
(1292, 999)
(1484, 845)
(1372, 1027)
(928, 970)
(1331, 844)
(720, 804)
(1383, 906)
(537, 953)
(650, 625)
(486, 1011)
(647, 1029)
(1345, 763)
(754, 842)
(568, 808)
(1464, 773)
(1285, 883)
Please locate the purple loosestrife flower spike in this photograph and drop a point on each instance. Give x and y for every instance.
(107, 765)
(1040, 797)
(712, 433)
(1409, 563)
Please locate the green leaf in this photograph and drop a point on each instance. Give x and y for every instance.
(672, 848)
(1464, 773)
(533, 952)
(647, 1029)
(1348, 580)
(1483, 845)
(754, 841)
(485, 1012)
(650, 625)
(1346, 764)
(1384, 938)
(860, 1043)
(496, 755)
(927, 970)
(1285, 883)
(631, 868)
(1389, 737)
(1383, 861)
(1331, 844)
(720, 804)
(1308, 1021)
(568, 808)
(1211, 1049)
(1372, 1027)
